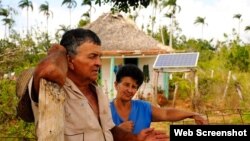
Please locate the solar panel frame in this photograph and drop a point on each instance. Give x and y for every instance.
(176, 61)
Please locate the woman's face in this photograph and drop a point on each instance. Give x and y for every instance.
(126, 89)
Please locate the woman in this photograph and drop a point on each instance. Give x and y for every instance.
(135, 115)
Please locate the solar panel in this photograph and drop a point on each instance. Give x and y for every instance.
(176, 61)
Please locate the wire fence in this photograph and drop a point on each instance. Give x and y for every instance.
(228, 116)
(223, 116)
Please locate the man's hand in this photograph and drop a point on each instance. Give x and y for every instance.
(127, 125)
(53, 67)
(150, 134)
(56, 48)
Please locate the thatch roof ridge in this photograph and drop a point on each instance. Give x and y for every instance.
(119, 33)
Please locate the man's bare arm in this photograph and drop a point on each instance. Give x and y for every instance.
(120, 134)
(52, 68)
(148, 134)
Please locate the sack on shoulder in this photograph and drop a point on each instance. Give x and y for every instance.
(24, 109)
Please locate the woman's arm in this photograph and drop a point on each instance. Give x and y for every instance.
(172, 114)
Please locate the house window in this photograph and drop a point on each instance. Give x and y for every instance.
(131, 61)
(146, 73)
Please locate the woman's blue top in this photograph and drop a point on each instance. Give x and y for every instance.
(140, 114)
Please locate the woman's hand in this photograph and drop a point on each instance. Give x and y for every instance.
(127, 125)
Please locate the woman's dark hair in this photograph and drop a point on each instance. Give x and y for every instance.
(130, 70)
(73, 38)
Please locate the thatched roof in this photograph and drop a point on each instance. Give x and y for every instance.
(120, 36)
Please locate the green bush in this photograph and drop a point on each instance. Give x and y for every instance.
(10, 124)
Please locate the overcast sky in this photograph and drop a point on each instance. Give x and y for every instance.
(218, 16)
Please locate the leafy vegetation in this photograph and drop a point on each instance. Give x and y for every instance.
(12, 128)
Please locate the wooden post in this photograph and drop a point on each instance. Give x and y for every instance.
(196, 84)
(111, 77)
(166, 84)
(156, 74)
(228, 81)
(51, 112)
(196, 95)
(237, 86)
(238, 89)
(212, 73)
(175, 92)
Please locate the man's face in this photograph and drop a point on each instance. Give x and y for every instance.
(87, 62)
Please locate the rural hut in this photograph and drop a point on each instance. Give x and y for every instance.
(123, 43)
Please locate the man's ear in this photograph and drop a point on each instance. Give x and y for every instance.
(70, 62)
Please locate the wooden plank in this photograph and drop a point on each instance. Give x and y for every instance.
(228, 81)
(51, 112)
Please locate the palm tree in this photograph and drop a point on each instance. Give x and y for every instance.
(8, 21)
(170, 16)
(70, 4)
(155, 4)
(85, 20)
(172, 7)
(26, 4)
(238, 16)
(5, 13)
(247, 28)
(200, 20)
(63, 29)
(88, 3)
(47, 12)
